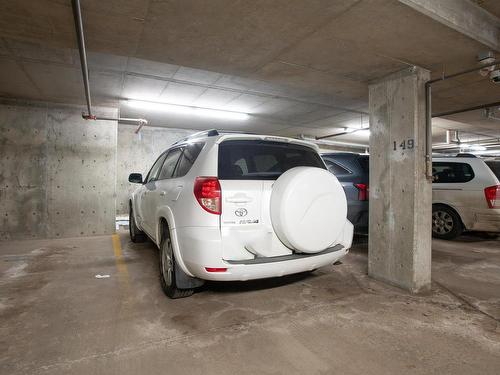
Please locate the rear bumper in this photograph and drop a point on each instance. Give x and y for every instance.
(486, 220)
(200, 247)
(243, 272)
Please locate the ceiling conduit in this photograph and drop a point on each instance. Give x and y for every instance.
(77, 15)
(428, 108)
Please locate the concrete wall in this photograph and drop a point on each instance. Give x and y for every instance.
(57, 172)
(137, 153)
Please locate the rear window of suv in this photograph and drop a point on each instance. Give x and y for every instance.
(263, 160)
(494, 166)
(444, 172)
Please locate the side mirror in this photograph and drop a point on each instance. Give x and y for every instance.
(135, 178)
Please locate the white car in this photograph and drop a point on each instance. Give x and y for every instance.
(229, 206)
(465, 195)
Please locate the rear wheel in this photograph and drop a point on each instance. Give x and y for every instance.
(136, 235)
(446, 223)
(168, 271)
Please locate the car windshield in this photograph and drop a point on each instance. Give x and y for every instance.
(263, 160)
(494, 166)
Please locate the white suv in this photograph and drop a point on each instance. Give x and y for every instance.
(465, 195)
(229, 206)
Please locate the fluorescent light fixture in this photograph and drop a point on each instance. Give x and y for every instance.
(360, 131)
(474, 147)
(188, 110)
(365, 132)
(488, 152)
(477, 148)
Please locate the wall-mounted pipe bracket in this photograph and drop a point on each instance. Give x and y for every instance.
(139, 121)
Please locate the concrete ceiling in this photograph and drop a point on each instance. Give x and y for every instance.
(492, 6)
(298, 67)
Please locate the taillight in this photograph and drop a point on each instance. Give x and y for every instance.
(362, 192)
(492, 195)
(208, 194)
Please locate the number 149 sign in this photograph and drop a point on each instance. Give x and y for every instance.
(403, 145)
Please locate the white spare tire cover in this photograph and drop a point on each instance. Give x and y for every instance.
(308, 209)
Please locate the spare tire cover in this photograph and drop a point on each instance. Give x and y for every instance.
(308, 209)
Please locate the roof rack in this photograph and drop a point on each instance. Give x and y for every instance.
(210, 133)
(465, 155)
(204, 133)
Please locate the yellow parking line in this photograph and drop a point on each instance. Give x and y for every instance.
(120, 262)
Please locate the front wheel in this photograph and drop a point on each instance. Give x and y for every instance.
(446, 223)
(168, 272)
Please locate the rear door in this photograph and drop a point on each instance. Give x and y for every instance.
(160, 193)
(171, 180)
(247, 170)
(454, 183)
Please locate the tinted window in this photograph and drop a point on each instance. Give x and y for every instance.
(443, 172)
(153, 173)
(495, 167)
(364, 161)
(336, 169)
(168, 167)
(263, 160)
(188, 157)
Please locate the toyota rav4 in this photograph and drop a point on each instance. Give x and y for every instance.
(229, 206)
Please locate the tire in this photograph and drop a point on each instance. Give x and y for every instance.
(136, 235)
(308, 209)
(168, 271)
(446, 223)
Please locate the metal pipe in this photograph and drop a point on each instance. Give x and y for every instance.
(491, 115)
(77, 14)
(428, 108)
(140, 121)
(121, 119)
(141, 124)
(445, 77)
(479, 142)
(332, 143)
(493, 145)
(482, 106)
(352, 130)
(428, 131)
(332, 135)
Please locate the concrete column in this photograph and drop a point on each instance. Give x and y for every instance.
(400, 195)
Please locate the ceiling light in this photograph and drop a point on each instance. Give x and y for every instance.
(477, 148)
(365, 132)
(188, 110)
(473, 147)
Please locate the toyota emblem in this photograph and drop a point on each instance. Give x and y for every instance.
(240, 212)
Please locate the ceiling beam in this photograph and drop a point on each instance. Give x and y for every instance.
(462, 16)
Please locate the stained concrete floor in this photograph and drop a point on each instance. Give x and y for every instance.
(56, 317)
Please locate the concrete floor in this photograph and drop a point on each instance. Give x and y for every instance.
(56, 317)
